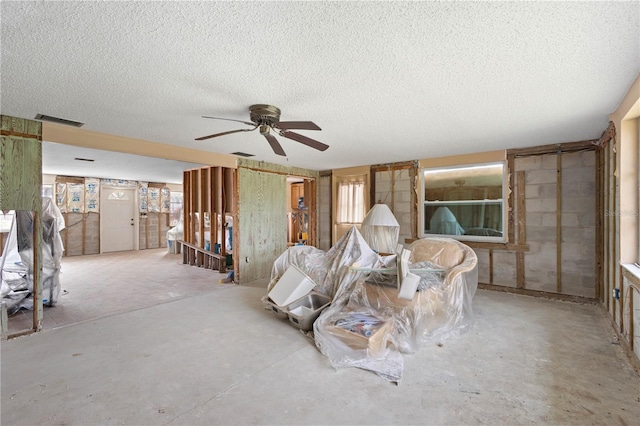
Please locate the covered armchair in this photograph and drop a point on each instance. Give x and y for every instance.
(441, 306)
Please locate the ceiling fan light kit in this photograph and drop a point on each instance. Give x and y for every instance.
(267, 118)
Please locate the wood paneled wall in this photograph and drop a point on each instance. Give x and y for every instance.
(20, 186)
(262, 212)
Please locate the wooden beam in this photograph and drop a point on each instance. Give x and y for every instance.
(211, 204)
(84, 232)
(403, 165)
(497, 246)
(413, 208)
(186, 217)
(521, 226)
(372, 188)
(201, 206)
(491, 266)
(510, 203)
(160, 215)
(37, 271)
(559, 221)
(615, 259)
(536, 293)
(223, 211)
(554, 148)
(607, 135)
(631, 317)
(606, 262)
(599, 213)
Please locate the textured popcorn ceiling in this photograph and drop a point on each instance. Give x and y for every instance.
(387, 82)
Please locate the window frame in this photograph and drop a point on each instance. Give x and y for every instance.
(476, 238)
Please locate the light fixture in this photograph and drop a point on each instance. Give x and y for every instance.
(380, 229)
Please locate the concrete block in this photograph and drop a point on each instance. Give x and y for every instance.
(541, 205)
(571, 189)
(528, 163)
(548, 284)
(549, 219)
(541, 256)
(401, 209)
(547, 190)
(403, 197)
(570, 220)
(541, 234)
(575, 252)
(580, 174)
(550, 162)
(483, 265)
(581, 204)
(504, 269)
(588, 158)
(571, 234)
(571, 160)
(540, 176)
(588, 219)
(533, 218)
(383, 186)
(588, 188)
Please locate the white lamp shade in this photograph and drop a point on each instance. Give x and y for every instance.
(380, 229)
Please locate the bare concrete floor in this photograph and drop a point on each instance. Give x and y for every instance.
(97, 285)
(216, 357)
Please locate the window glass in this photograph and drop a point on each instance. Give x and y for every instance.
(176, 208)
(464, 202)
(118, 195)
(350, 202)
(47, 191)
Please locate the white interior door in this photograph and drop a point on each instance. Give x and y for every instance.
(117, 219)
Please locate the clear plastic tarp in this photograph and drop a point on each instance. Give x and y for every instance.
(16, 263)
(367, 325)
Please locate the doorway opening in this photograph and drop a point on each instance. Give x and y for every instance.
(301, 211)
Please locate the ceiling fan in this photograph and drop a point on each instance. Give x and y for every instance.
(267, 118)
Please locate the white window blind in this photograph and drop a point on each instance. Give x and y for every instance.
(350, 202)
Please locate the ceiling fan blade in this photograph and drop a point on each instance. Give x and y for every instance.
(275, 145)
(224, 133)
(305, 140)
(230, 119)
(302, 125)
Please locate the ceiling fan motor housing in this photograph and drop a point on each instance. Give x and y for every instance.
(264, 114)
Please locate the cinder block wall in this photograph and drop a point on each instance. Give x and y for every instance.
(393, 188)
(92, 233)
(577, 222)
(72, 234)
(149, 238)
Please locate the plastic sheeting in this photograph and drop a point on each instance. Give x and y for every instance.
(16, 263)
(368, 325)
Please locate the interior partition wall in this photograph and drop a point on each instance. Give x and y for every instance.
(20, 186)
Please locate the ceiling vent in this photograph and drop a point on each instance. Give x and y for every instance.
(242, 154)
(84, 159)
(58, 120)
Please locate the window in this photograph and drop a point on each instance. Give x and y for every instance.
(464, 202)
(175, 208)
(350, 203)
(47, 191)
(118, 195)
